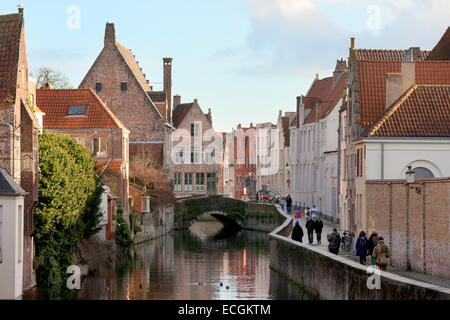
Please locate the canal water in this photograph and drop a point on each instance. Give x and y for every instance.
(201, 263)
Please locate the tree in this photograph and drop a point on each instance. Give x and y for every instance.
(67, 210)
(58, 80)
(153, 179)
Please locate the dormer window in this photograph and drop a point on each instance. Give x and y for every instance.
(123, 86)
(98, 87)
(78, 110)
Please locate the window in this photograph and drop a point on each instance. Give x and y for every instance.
(194, 156)
(20, 234)
(1, 234)
(123, 86)
(195, 129)
(177, 182)
(210, 155)
(77, 110)
(199, 182)
(99, 147)
(179, 156)
(145, 204)
(188, 186)
(98, 87)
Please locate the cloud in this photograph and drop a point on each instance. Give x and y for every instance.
(302, 37)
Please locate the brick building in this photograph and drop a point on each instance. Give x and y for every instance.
(83, 116)
(196, 158)
(118, 80)
(18, 129)
(393, 117)
(245, 162)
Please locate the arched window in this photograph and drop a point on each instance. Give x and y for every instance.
(423, 173)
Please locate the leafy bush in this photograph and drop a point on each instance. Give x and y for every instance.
(123, 235)
(67, 209)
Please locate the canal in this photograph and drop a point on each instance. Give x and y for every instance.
(192, 264)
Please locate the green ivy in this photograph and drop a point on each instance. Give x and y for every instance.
(68, 208)
(123, 235)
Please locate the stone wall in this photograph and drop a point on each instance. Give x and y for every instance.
(415, 225)
(327, 276)
(159, 221)
(257, 216)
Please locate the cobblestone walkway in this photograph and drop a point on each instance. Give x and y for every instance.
(328, 227)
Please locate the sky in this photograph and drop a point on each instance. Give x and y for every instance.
(244, 59)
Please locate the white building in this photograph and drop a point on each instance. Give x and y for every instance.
(11, 237)
(228, 165)
(314, 144)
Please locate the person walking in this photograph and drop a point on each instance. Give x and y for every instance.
(334, 241)
(282, 204)
(318, 226)
(289, 204)
(310, 229)
(314, 213)
(361, 247)
(373, 239)
(307, 213)
(297, 233)
(381, 253)
(298, 214)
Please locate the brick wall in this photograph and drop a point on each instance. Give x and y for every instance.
(132, 107)
(416, 226)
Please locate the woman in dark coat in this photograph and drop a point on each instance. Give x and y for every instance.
(361, 247)
(297, 233)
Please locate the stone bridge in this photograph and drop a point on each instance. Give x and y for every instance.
(232, 213)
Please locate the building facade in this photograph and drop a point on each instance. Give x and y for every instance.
(197, 151)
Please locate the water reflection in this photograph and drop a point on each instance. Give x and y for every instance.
(192, 264)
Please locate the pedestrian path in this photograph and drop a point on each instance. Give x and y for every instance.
(328, 228)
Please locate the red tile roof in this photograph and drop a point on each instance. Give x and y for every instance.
(180, 112)
(422, 111)
(55, 104)
(114, 166)
(10, 32)
(334, 93)
(320, 87)
(372, 83)
(385, 55)
(153, 150)
(442, 49)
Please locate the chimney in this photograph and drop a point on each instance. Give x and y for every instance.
(110, 35)
(299, 106)
(167, 62)
(352, 52)
(196, 101)
(20, 9)
(209, 115)
(239, 126)
(47, 85)
(318, 109)
(398, 83)
(176, 101)
(412, 54)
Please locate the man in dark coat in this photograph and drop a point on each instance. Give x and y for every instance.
(334, 241)
(318, 226)
(288, 203)
(310, 229)
(297, 233)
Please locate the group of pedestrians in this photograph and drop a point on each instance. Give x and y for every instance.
(313, 224)
(375, 248)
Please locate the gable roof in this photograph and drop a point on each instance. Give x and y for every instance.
(320, 87)
(328, 101)
(10, 34)
(442, 49)
(422, 111)
(127, 55)
(8, 187)
(180, 111)
(55, 104)
(372, 83)
(385, 55)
